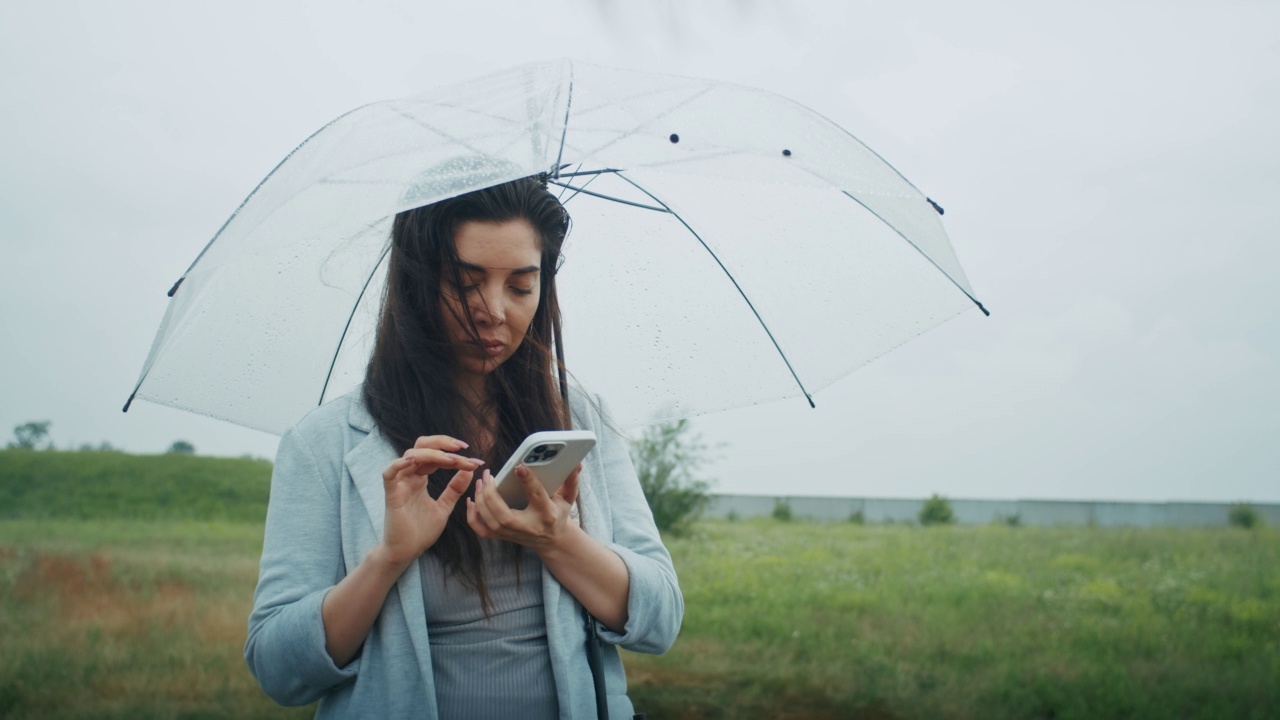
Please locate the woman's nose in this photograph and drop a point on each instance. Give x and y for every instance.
(490, 311)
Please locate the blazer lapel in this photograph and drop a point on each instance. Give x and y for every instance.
(365, 463)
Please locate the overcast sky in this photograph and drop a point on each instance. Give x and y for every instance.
(1110, 174)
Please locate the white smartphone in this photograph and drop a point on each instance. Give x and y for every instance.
(551, 455)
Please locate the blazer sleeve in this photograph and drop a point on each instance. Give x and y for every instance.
(655, 606)
(301, 561)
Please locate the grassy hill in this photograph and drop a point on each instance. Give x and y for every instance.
(50, 484)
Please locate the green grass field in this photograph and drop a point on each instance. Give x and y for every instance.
(131, 617)
(844, 621)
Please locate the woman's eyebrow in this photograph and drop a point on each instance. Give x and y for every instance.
(472, 267)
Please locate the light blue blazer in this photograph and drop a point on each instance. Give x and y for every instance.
(326, 514)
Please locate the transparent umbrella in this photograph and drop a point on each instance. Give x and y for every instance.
(729, 246)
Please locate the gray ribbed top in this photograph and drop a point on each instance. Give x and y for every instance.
(496, 667)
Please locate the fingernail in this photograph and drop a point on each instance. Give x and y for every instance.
(461, 444)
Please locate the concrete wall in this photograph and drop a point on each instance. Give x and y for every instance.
(978, 512)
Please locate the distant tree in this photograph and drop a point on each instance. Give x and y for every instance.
(936, 511)
(667, 461)
(782, 511)
(29, 435)
(181, 447)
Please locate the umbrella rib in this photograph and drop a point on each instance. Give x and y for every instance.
(582, 189)
(945, 274)
(565, 200)
(663, 209)
(576, 173)
(354, 306)
(733, 280)
(568, 106)
(560, 197)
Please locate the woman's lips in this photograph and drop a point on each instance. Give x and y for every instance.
(493, 348)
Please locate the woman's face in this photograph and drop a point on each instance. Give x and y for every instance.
(500, 264)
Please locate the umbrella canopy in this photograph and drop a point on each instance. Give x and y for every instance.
(729, 246)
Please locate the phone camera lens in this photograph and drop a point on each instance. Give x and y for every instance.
(541, 454)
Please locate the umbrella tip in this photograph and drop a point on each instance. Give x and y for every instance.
(174, 289)
(128, 402)
(985, 311)
(936, 206)
(809, 397)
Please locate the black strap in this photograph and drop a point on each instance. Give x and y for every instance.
(595, 658)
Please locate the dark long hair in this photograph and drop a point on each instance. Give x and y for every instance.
(410, 386)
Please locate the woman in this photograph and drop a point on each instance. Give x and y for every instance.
(395, 581)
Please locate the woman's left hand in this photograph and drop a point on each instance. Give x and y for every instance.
(538, 526)
(591, 572)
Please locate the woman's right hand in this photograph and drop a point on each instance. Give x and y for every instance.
(414, 521)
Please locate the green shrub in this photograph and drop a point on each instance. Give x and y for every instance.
(1243, 515)
(782, 511)
(936, 511)
(667, 459)
(856, 517)
(1012, 520)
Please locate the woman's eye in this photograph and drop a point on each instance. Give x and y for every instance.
(522, 290)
